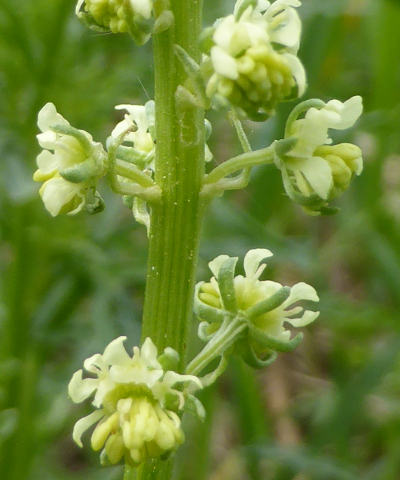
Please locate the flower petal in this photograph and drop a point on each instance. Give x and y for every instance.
(172, 378)
(57, 192)
(307, 318)
(48, 117)
(142, 7)
(302, 291)
(298, 73)
(224, 64)
(149, 353)
(115, 352)
(252, 261)
(84, 424)
(349, 111)
(318, 173)
(94, 364)
(80, 389)
(288, 30)
(47, 139)
(79, 6)
(216, 264)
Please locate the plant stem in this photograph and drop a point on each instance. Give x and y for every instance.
(228, 333)
(176, 219)
(240, 162)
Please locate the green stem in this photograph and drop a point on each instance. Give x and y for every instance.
(245, 160)
(226, 336)
(176, 219)
(132, 172)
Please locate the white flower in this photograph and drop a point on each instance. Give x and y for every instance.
(64, 148)
(140, 119)
(137, 402)
(253, 62)
(314, 168)
(267, 305)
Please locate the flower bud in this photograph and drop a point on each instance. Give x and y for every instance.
(251, 60)
(314, 171)
(135, 17)
(137, 402)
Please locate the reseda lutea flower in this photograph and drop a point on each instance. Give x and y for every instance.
(137, 402)
(69, 165)
(264, 307)
(251, 59)
(314, 171)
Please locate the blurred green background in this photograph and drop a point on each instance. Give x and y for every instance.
(69, 285)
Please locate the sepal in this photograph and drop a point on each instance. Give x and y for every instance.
(267, 342)
(269, 304)
(255, 360)
(205, 311)
(195, 407)
(94, 202)
(82, 172)
(169, 359)
(225, 277)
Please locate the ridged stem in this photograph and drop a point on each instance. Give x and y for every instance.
(176, 219)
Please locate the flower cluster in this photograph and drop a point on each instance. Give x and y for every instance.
(137, 401)
(263, 307)
(251, 59)
(69, 165)
(135, 17)
(315, 171)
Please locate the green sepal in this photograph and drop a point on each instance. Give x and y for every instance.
(207, 330)
(91, 23)
(255, 361)
(226, 275)
(169, 359)
(301, 108)
(282, 147)
(81, 172)
(76, 133)
(269, 304)
(94, 203)
(259, 116)
(195, 407)
(131, 155)
(327, 210)
(259, 337)
(211, 377)
(204, 311)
